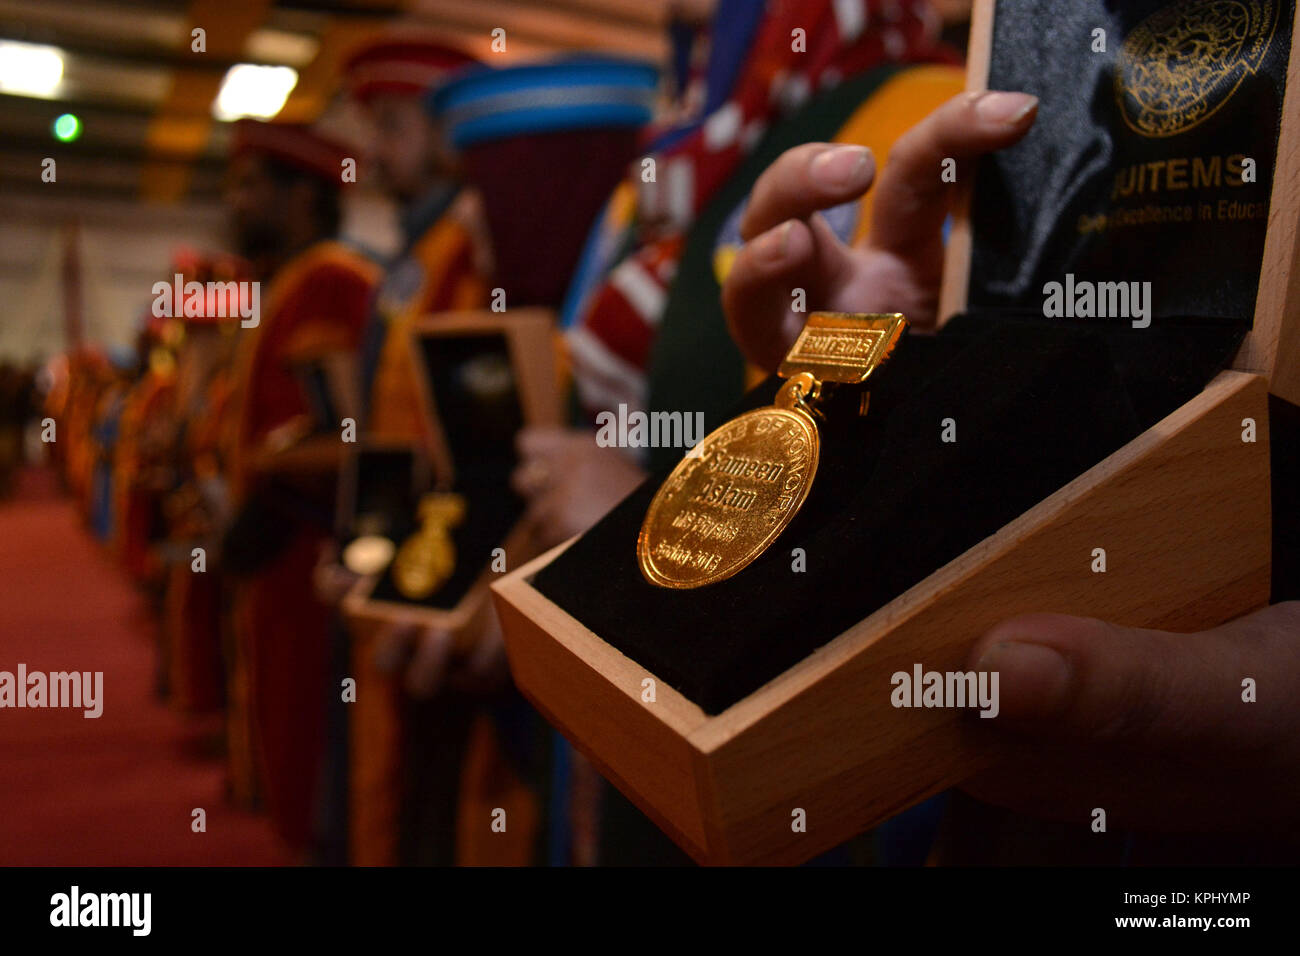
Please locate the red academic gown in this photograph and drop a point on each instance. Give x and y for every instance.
(320, 298)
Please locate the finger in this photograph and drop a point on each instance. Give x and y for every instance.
(429, 663)
(757, 295)
(806, 179)
(911, 197)
(1149, 691)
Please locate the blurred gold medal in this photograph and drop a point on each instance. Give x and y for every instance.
(427, 558)
(737, 490)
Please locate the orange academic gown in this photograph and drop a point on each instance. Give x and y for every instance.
(450, 280)
(443, 258)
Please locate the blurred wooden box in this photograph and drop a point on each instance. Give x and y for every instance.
(725, 786)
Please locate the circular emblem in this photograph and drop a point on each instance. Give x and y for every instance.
(1181, 64)
(728, 499)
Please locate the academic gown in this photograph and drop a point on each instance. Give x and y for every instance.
(436, 272)
(105, 434)
(192, 606)
(319, 298)
(419, 771)
(137, 498)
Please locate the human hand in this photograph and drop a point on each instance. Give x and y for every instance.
(1148, 725)
(435, 656)
(569, 480)
(897, 268)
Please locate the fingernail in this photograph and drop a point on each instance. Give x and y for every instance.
(1005, 108)
(840, 166)
(1033, 680)
(772, 244)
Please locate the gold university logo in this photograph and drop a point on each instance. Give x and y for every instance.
(1179, 65)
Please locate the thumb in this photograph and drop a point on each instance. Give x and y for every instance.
(1177, 695)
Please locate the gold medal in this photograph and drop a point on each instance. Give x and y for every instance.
(427, 558)
(737, 490)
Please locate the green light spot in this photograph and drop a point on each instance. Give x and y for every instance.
(67, 128)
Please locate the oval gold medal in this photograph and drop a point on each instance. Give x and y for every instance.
(729, 498)
(736, 491)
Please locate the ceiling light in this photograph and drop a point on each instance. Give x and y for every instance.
(251, 90)
(280, 46)
(30, 70)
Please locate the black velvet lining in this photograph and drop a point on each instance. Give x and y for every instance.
(1034, 404)
(384, 493)
(479, 407)
(493, 510)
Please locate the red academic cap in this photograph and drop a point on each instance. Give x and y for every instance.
(405, 65)
(295, 144)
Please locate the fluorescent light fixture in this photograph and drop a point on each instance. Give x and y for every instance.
(252, 90)
(30, 70)
(280, 46)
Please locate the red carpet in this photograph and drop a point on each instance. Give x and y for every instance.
(120, 789)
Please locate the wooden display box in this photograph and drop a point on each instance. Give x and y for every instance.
(1184, 509)
(526, 336)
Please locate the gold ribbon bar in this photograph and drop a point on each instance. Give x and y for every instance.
(843, 347)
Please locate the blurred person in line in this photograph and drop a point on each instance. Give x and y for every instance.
(643, 319)
(283, 195)
(442, 266)
(53, 390)
(198, 505)
(445, 257)
(142, 463)
(570, 125)
(105, 433)
(73, 408)
(142, 467)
